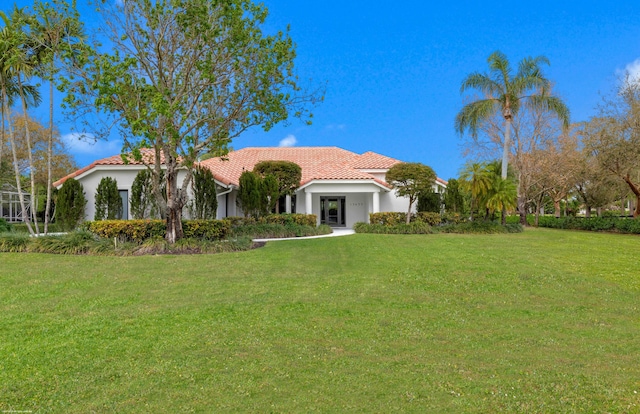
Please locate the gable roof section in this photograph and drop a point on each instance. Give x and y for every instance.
(317, 163)
(147, 156)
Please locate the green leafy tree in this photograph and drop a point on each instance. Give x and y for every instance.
(70, 204)
(143, 202)
(270, 193)
(429, 201)
(453, 198)
(287, 174)
(186, 77)
(205, 200)
(108, 202)
(410, 180)
(505, 92)
(250, 193)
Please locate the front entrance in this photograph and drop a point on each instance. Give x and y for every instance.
(332, 211)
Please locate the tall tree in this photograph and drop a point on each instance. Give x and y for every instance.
(16, 61)
(108, 202)
(287, 174)
(613, 137)
(186, 77)
(57, 34)
(205, 199)
(410, 179)
(505, 93)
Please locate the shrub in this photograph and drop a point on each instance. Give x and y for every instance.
(453, 218)
(274, 230)
(613, 224)
(128, 230)
(108, 202)
(401, 228)
(299, 219)
(70, 205)
(481, 227)
(14, 242)
(140, 230)
(144, 204)
(205, 201)
(206, 229)
(5, 227)
(431, 218)
(390, 218)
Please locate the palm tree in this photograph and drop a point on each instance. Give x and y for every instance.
(57, 32)
(22, 62)
(506, 93)
(476, 178)
(13, 60)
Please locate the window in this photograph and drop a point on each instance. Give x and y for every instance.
(124, 196)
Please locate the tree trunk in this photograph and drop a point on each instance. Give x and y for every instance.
(522, 209)
(49, 156)
(556, 208)
(587, 211)
(507, 138)
(174, 203)
(12, 143)
(409, 211)
(32, 172)
(636, 191)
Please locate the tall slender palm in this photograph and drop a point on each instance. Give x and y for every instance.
(16, 61)
(505, 92)
(57, 32)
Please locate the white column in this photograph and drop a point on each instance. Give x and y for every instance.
(376, 202)
(307, 202)
(287, 203)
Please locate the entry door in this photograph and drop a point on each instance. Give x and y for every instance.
(333, 211)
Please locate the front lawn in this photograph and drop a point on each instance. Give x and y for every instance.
(540, 321)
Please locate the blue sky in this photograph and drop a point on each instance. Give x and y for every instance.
(393, 69)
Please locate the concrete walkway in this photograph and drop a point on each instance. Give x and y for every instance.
(336, 233)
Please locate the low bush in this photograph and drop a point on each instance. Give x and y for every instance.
(431, 218)
(84, 242)
(276, 231)
(611, 224)
(281, 219)
(481, 227)
(22, 228)
(402, 228)
(387, 218)
(5, 227)
(14, 242)
(138, 231)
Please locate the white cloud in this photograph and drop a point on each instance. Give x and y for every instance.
(87, 144)
(633, 69)
(288, 141)
(335, 127)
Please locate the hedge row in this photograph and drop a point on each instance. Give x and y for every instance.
(84, 242)
(395, 218)
(474, 227)
(140, 230)
(282, 219)
(613, 224)
(401, 228)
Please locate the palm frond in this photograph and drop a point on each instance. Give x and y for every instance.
(552, 104)
(473, 114)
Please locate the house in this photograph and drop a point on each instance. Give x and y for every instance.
(340, 187)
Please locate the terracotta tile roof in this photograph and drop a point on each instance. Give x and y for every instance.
(373, 161)
(317, 163)
(147, 156)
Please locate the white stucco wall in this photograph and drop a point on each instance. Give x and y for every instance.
(125, 175)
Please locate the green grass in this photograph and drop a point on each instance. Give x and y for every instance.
(541, 321)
